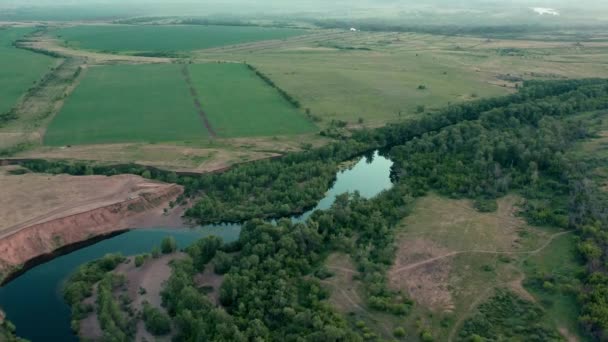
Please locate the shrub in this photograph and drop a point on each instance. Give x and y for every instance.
(169, 245)
(157, 322)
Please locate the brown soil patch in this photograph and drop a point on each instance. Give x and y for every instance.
(425, 282)
(518, 288)
(45, 213)
(170, 157)
(36, 198)
(151, 276)
(51, 44)
(208, 279)
(567, 335)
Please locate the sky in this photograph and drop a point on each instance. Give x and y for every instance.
(446, 10)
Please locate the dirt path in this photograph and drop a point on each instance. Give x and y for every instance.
(515, 285)
(451, 254)
(51, 44)
(197, 104)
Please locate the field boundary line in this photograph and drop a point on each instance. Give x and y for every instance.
(197, 103)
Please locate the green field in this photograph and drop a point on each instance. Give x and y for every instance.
(240, 104)
(125, 38)
(19, 69)
(127, 103)
(153, 103)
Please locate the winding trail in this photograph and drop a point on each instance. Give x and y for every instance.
(451, 254)
(197, 103)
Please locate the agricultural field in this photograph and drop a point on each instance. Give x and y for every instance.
(19, 69)
(127, 38)
(127, 103)
(239, 103)
(169, 102)
(376, 76)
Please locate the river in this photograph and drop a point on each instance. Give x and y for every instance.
(34, 302)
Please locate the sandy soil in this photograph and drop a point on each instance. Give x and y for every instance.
(53, 45)
(428, 283)
(151, 276)
(170, 157)
(36, 198)
(42, 213)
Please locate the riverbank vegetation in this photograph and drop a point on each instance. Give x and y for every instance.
(481, 150)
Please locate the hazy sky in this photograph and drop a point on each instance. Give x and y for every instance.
(595, 9)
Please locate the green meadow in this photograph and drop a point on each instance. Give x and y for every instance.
(127, 38)
(19, 69)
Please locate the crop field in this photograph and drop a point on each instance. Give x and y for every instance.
(238, 103)
(125, 38)
(19, 69)
(127, 103)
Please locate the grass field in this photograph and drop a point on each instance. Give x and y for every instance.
(125, 38)
(375, 75)
(19, 69)
(127, 103)
(240, 104)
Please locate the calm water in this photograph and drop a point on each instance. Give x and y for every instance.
(34, 302)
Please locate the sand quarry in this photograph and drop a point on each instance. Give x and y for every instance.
(41, 213)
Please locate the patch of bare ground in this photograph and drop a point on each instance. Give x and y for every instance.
(426, 283)
(36, 198)
(89, 326)
(51, 44)
(170, 157)
(210, 282)
(144, 284)
(43, 213)
(567, 335)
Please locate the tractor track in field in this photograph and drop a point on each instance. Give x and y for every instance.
(197, 103)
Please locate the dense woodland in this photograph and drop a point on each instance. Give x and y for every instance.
(480, 150)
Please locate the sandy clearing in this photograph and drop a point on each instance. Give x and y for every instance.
(51, 44)
(35, 198)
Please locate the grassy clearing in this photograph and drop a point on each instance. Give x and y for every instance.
(452, 258)
(239, 104)
(19, 69)
(127, 103)
(125, 38)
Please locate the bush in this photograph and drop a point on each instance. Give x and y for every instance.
(140, 260)
(169, 245)
(486, 205)
(399, 332)
(157, 322)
